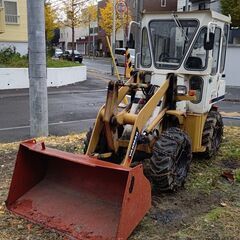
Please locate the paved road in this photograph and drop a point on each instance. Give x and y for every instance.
(102, 65)
(71, 108)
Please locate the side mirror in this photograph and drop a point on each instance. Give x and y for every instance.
(209, 41)
(131, 33)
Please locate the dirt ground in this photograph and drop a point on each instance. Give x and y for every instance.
(207, 208)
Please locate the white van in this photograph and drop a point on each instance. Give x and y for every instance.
(120, 56)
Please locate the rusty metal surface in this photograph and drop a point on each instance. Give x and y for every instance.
(81, 196)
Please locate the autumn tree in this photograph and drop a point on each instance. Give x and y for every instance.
(89, 16)
(232, 7)
(72, 10)
(106, 19)
(50, 21)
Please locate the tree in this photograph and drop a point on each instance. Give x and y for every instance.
(72, 10)
(89, 16)
(106, 19)
(50, 21)
(232, 7)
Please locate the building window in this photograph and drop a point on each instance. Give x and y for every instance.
(1, 3)
(163, 3)
(11, 15)
(95, 30)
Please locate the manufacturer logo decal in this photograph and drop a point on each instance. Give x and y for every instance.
(134, 144)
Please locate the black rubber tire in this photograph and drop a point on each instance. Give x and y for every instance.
(169, 164)
(212, 134)
(87, 140)
(102, 148)
(102, 145)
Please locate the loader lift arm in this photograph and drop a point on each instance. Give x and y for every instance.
(109, 118)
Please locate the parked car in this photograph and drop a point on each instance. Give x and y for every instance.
(58, 53)
(68, 55)
(120, 56)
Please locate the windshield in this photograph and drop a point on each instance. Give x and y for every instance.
(171, 40)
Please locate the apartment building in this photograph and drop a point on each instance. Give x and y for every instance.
(13, 25)
(206, 4)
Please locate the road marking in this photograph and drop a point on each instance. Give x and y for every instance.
(232, 118)
(50, 124)
(230, 114)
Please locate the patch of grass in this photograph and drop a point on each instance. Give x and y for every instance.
(237, 175)
(230, 147)
(198, 211)
(9, 58)
(213, 215)
(51, 63)
(205, 174)
(22, 62)
(219, 223)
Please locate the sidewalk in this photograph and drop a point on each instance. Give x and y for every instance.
(232, 94)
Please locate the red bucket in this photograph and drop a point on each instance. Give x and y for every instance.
(80, 196)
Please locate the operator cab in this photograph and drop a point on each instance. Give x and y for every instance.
(190, 44)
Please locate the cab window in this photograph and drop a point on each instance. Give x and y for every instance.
(145, 53)
(216, 50)
(197, 59)
(224, 48)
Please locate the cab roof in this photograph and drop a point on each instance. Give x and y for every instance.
(212, 14)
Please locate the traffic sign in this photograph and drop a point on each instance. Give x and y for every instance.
(121, 7)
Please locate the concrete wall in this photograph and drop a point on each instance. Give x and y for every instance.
(16, 78)
(232, 65)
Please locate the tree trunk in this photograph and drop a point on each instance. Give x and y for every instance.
(73, 36)
(89, 39)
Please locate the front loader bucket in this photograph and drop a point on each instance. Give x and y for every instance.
(81, 196)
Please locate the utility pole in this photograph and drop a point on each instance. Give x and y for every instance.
(38, 98)
(113, 34)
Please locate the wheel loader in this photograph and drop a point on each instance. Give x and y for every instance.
(138, 147)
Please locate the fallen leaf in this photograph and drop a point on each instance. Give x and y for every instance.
(229, 175)
(29, 226)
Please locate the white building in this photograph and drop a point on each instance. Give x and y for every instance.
(83, 37)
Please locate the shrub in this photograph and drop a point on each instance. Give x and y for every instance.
(8, 55)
